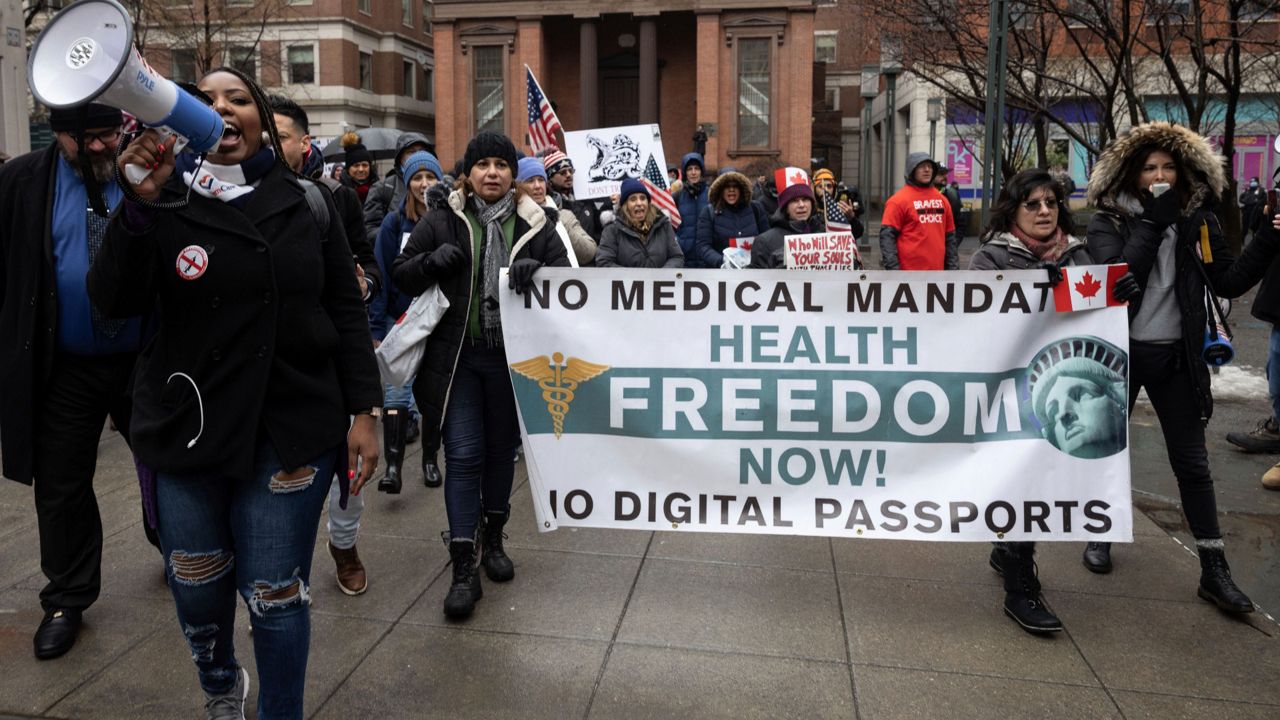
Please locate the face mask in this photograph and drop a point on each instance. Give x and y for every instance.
(1253, 184)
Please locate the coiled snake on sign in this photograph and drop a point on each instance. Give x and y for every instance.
(558, 382)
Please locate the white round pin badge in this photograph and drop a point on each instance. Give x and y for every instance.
(192, 262)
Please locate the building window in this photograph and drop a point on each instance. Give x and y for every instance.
(302, 64)
(363, 6)
(408, 74)
(753, 92)
(428, 86)
(182, 65)
(487, 87)
(426, 16)
(406, 12)
(243, 58)
(366, 71)
(832, 98)
(824, 46)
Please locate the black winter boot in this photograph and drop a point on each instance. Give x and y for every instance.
(465, 589)
(1216, 585)
(1022, 600)
(431, 475)
(496, 563)
(1097, 557)
(395, 423)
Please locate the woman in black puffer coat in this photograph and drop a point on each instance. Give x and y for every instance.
(463, 385)
(1175, 248)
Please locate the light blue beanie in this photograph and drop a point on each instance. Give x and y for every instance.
(531, 167)
(421, 160)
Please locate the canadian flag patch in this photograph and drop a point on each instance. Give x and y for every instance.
(1088, 287)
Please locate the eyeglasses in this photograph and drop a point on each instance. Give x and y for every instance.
(1034, 205)
(107, 138)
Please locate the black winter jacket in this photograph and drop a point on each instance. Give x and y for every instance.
(351, 215)
(273, 335)
(1115, 237)
(28, 302)
(769, 251)
(535, 237)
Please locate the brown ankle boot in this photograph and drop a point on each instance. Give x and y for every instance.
(351, 578)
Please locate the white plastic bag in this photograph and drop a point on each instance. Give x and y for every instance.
(401, 350)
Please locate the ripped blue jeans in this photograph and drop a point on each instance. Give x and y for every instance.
(254, 535)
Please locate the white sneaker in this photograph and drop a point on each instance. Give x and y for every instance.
(229, 706)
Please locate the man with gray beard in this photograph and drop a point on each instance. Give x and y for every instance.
(64, 367)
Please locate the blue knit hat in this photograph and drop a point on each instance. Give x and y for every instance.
(630, 187)
(531, 167)
(421, 160)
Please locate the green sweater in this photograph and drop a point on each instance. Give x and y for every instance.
(477, 271)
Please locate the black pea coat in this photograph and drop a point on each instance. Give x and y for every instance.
(535, 237)
(271, 340)
(28, 302)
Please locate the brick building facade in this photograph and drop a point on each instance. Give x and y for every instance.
(741, 69)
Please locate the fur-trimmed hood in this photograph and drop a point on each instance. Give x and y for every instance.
(723, 181)
(1208, 176)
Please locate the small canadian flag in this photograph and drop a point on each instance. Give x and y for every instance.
(1088, 287)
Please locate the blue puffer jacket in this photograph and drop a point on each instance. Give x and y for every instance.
(719, 223)
(690, 205)
(389, 304)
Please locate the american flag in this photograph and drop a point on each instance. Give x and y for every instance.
(837, 221)
(654, 181)
(543, 122)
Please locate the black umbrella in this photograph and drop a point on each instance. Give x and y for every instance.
(381, 143)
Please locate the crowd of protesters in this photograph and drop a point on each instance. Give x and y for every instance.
(245, 379)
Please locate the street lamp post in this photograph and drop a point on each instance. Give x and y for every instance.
(870, 86)
(890, 67)
(993, 140)
(934, 113)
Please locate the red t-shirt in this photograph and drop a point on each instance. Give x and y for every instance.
(923, 219)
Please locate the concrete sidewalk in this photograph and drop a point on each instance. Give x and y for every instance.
(618, 624)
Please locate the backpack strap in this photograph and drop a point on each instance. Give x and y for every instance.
(319, 209)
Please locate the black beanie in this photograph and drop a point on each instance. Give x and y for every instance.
(358, 153)
(100, 116)
(490, 144)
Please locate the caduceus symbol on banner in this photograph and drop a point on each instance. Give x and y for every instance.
(558, 381)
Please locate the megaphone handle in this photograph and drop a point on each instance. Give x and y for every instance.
(137, 173)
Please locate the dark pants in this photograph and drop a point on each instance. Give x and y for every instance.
(481, 434)
(81, 393)
(1162, 370)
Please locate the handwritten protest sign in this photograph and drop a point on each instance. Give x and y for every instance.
(823, 251)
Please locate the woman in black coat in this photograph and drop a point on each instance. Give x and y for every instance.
(1154, 188)
(243, 399)
(795, 216)
(1031, 228)
(463, 384)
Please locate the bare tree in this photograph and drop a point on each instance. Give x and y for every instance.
(216, 32)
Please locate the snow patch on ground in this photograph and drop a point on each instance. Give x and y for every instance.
(1232, 383)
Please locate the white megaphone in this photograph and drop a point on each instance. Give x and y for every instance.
(86, 53)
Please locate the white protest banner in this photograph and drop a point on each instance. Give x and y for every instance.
(604, 157)
(924, 405)
(823, 251)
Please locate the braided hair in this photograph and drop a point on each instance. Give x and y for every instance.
(265, 114)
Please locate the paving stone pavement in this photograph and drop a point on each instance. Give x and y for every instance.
(623, 624)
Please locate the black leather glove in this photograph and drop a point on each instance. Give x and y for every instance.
(521, 274)
(1161, 211)
(445, 260)
(437, 196)
(1054, 270)
(1126, 288)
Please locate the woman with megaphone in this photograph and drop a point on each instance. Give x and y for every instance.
(242, 401)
